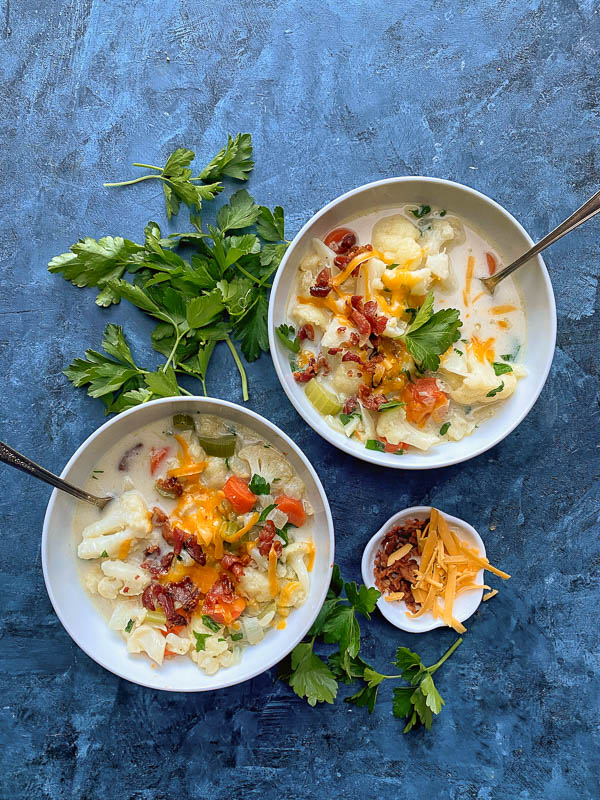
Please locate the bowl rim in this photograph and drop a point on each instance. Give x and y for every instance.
(253, 415)
(366, 565)
(373, 456)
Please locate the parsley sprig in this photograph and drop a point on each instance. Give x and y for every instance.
(317, 679)
(431, 334)
(218, 292)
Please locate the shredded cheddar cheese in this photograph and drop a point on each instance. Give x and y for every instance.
(448, 567)
(468, 280)
(505, 309)
(356, 262)
(238, 534)
(273, 588)
(124, 549)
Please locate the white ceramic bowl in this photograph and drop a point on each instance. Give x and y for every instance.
(503, 231)
(75, 608)
(465, 605)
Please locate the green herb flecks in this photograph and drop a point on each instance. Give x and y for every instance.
(501, 369)
(495, 391)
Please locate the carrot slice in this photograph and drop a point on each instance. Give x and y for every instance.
(293, 508)
(239, 495)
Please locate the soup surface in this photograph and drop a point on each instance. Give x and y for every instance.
(396, 341)
(207, 546)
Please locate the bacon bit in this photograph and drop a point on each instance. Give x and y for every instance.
(158, 517)
(370, 401)
(354, 339)
(304, 377)
(341, 261)
(148, 598)
(372, 363)
(340, 240)
(265, 540)
(162, 596)
(186, 593)
(125, 589)
(393, 448)
(173, 485)
(156, 458)
(341, 329)
(193, 548)
(333, 351)
(235, 564)
(361, 322)
(352, 357)
(128, 455)
(154, 563)
(322, 285)
(306, 332)
(399, 576)
(312, 369)
(222, 591)
(350, 405)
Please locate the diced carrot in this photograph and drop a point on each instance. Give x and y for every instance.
(239, 495)
(423, 399)
(226, 613)
(156, 456)
(293, 508)
(491, 262)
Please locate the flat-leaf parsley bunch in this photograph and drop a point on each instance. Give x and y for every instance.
(317, 679)
(217, 294)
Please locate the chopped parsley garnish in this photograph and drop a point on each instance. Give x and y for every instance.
(495, 391)
(390, 404)
(345, 418)
(460, 352)
(283, 533)
(444, 428)
(408, 375)
(266, 511)
(210, 624)
(421, 211)
(511, 356)
(129, 626)
(179, 558)
(201, 640)
(431, 334)
(258, 485)
(287, 336)
(393, 266)
(501, 369)
(375, 444)
(412, 312)
(104, 554)
(235, 637)
(443, 213)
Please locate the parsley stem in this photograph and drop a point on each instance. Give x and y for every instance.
(172, 354)
(240, 367)
(135, 180)
(148, 166)
(248, 275)
(446, 655)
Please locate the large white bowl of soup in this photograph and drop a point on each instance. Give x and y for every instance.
(386, 341)
(214, 557)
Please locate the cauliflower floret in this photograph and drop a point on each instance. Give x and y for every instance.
(369, 279)
(215, 472)
(479, 382)
(216, 654)
(454, 362)
(91, 578)
(124, 578)
(332, 338)
(439, 265)
(311, 263)
(346, 379)
(147, 640)
(439, 232)
(127, 518)
(392, 425)
(239, 467)
(294, 488)
(267, 462)
(390, 233)
(254, 585)
(307, 314)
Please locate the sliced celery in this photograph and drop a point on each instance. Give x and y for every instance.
(155, 618)
(222, 446)
(183, 422)
(322, 399)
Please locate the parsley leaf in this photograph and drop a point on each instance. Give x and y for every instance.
(252, 329)
(104, 554)
(129, 626)
(240, 212)
(311, 677)
(362, 599)
(258, 485)
(346, 418)
(494, 392)
(233, 161)
(501, 369)
(201, 640)
(210, 623)
(270, 224)
(431, 334)
(284, 333)
(444, 429)
(421, 211)
(266, 511)
(390, 404)
(375, 444)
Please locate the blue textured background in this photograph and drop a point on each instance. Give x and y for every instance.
(499, 95)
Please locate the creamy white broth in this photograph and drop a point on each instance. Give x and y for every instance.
(119, 600)
(500, 318)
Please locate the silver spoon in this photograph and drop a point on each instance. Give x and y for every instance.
(14, 459)
(587, 211)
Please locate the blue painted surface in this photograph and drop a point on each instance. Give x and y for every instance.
(501, 96)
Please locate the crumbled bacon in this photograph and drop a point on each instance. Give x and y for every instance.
(266, 537)
(341, 329)
(370, 401)
(341, 261)
(354, 339)
(235, 564)
(171, 485)
(185, 593)
(362, 323)
(194, 549)
(222, 591)
(371, 364)
(128, 455)
(365, 317)
(158, 517)
(378, 322)
(312, 369)
(350, 405)
(345, 243)
(322, 285)
(156, 564)
(306, 332)
(352, 357)
(399, 576)
(333, 351)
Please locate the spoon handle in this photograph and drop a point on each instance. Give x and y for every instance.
(588, 210)
(14, 459)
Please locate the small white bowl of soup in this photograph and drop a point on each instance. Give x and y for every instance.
(212, 561)
(386, 341)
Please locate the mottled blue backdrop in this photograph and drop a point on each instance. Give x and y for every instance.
(500, 95)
